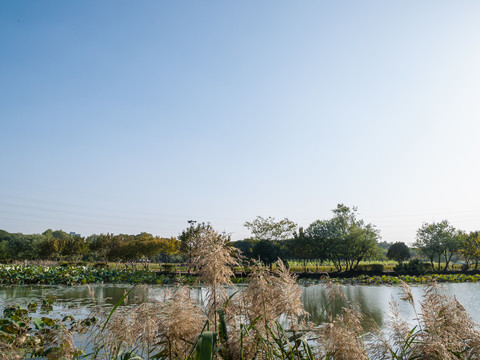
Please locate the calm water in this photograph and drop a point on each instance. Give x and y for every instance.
(373, 301)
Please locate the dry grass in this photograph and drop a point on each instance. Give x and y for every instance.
(214, 261)
(271, 297)
(444, 331)
(448, 331)
(62, 346)
(272, 294)
(342, 338)
(170, 327)
(392, 342)
(180, 322)
(9, 352)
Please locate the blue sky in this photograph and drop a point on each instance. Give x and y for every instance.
(123, 117)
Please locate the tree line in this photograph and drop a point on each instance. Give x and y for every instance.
(343, 240)
(59, 245)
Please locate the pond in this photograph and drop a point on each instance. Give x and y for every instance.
(373, 301)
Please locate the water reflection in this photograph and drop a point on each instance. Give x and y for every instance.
(373, 301)
(323, 307)
(105, 294)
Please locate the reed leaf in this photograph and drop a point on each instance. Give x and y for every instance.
(205, 348)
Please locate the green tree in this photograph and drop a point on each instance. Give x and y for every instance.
(75, 247)
(269, 229)
(4, 235)
(47, 248)
(470, 248)
(100, 245)
(303, 247)
(398, 252)
(343, 239)
(4, 250)
(438, 241)
(246, 247)
(23, 246)
(167, 247)
(452, 245)
(192, 237)
(267, 251)
(123, 248)
(4, 253)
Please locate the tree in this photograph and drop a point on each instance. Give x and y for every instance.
(437, 241)
(470, 248)
(100, 245)
(122, 248)
(452, 245)
(23, 247)
(48, 248)
(167, 247)
(269, 229)
(398, 252)
(246, 247)
(193, 236)
(303, 247)
(267, 251)
(343, 239)
(75, 247)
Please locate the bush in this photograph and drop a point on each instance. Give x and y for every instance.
(371, 267)
(362, 268)
(413, 267)
(100, 265)
(377, 267)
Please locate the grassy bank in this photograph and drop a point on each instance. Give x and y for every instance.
(78, 275)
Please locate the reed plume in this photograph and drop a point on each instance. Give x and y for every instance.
(341, 339)
(448, 331)
(180, 322)
(214, 260)
(397, 341)
(271, 294)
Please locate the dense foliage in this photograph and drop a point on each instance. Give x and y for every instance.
(398, 252)
(343, 239)
(58, 245)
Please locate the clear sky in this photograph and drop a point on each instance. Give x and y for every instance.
(130, 116)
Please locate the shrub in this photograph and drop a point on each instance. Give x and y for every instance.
(371, 267)
(168, 267)
(362, 268)
(100, 265)
(413, 267)
(377, 267)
